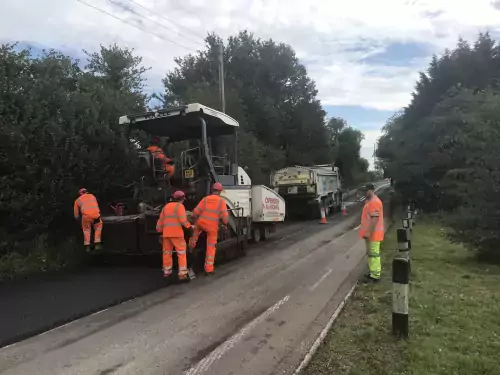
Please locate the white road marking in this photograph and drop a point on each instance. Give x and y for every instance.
(222, 349)
(323, 333)
(316, 284)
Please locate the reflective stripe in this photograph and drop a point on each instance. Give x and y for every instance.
(209, 218)
(211, 244)
(166, 252)
(209, 263)
(171, 225)
(373, 255)
(210, 256)
(181, 252)
(183, 268)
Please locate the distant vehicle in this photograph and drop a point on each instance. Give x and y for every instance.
(193, 130)
(308, 190)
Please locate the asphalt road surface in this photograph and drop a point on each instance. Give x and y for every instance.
(257, 315)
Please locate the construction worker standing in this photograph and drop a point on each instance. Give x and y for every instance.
(86, 208)
(372, 231)
(206, 216)
(158, 154)
(172, 219)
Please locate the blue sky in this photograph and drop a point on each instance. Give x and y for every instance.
(364, 57)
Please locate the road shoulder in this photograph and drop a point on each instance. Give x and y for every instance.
(454, 316)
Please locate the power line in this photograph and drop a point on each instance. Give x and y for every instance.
(119, 4)
(166, 19)
(134, 25)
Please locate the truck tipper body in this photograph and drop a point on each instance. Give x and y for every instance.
(308, 190)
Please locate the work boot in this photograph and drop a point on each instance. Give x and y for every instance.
(98, 246)
(209, 273)
(184, 278)
(167, 274)
(87, 248)
(368, 279)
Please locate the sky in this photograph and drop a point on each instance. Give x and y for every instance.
(364, 55)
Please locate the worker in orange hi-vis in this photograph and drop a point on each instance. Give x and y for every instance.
(158, 154)
(86, 208)
(206, 217)
(172, 219)
(372, 231)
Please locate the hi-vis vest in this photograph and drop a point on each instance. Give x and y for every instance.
(86, 205)
(172, 219)
(210, 210)
(373, 208)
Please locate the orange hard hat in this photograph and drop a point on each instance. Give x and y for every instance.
(178, 194)
(82, 191)
(217, 187)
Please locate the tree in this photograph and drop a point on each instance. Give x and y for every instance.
(59, 131)
(268, 92)
(442, 147)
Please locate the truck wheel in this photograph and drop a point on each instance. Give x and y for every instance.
(256, 235)
(266, 233)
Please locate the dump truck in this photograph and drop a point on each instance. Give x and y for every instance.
(202, 143)
(308, 190)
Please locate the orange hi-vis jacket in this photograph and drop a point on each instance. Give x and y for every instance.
(86, 205)
(210, 210)
(373, 209)
(158, 154)
(172, 219)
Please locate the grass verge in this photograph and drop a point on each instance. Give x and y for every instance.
(454, 316)
(37, 257)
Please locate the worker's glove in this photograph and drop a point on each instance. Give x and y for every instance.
(160, 240)
(190, 231)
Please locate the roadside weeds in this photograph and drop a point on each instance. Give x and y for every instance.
(454, 316)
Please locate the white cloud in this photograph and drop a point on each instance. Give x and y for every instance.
(332, 37)
(368, 145)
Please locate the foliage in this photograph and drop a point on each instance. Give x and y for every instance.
(268, 92)
(442, 148)
(59, 132)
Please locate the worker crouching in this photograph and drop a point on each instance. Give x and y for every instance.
(172, 220)
(206, 217)
(86, 208)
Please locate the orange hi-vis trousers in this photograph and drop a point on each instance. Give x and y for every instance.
(168, 245)
(212, 234)
(89, 222)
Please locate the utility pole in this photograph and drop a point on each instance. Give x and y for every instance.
(221, 78)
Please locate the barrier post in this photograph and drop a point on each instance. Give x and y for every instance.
(400, 296)
(406, 223)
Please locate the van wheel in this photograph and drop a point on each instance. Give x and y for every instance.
(256, 235)
(265, 233)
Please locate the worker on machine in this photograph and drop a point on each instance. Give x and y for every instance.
(206, 217)
(87, 210)
(172, 220)
(158, 154)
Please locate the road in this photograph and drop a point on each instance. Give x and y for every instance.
(258, 315)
